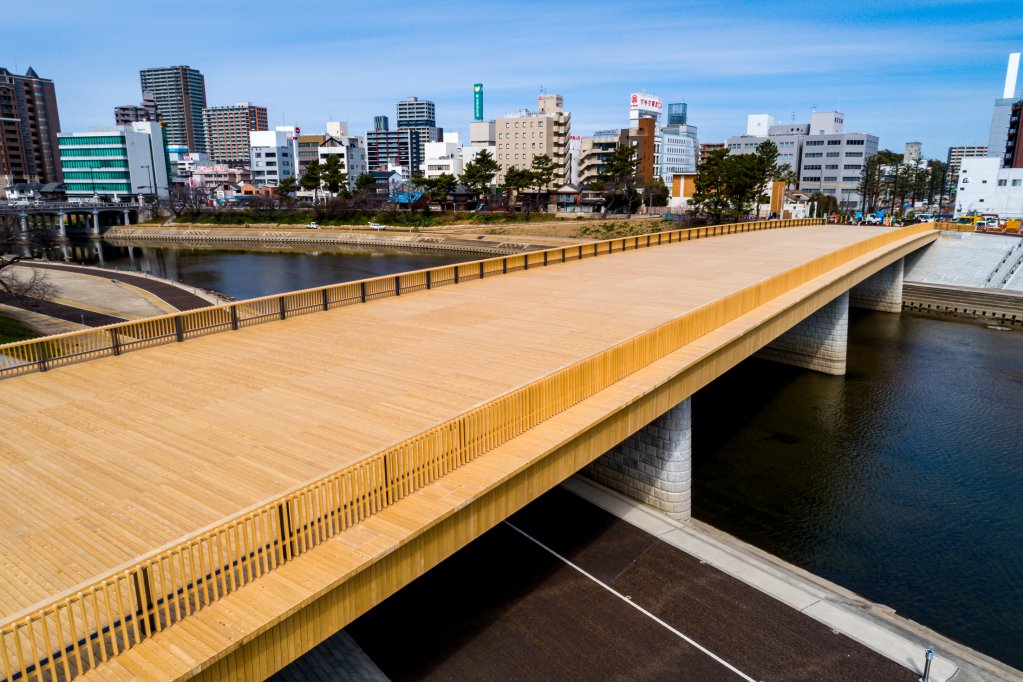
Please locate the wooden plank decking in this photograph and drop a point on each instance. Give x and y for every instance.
(107, 460)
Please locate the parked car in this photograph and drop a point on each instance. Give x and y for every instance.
(376, 226)
(313, 226)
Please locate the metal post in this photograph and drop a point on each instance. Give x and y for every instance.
(283, 307)
(481, 269)
(362, 291)
(456, 273)
(234, 317)
(504, 265)
(397, 284)
(429, 279)
(115, 342)
(545, 258)
(928, 657)
(179, 331)
(326, 299)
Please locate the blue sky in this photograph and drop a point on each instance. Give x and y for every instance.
(924, 70)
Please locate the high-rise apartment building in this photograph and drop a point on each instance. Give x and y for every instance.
(180, 93)
(227, 131)
(121, 161)
(419, 115)
(380, 123)
(399, 148)
(350, 153)
(29, 124)
(146, 110)
(524, 135)
(706, 148)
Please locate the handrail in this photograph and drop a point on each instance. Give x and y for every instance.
(79, 630)
(42, 354)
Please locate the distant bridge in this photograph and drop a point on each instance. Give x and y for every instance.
(264, 472)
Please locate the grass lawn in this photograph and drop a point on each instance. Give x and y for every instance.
(11, 330)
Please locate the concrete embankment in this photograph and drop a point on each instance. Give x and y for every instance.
(288, 236)
(967, 275)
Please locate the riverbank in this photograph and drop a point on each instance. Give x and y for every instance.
(283, 235)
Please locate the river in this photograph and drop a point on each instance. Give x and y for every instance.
(261, 271)
(902, 481)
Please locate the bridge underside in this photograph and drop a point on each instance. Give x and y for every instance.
(255, 630)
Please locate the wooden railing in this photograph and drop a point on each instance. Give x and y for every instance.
(94, 622)
(42, 354)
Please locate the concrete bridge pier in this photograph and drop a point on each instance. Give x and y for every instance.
(95, 224)
(127, 217)
(63, 227)
(24, 225)
(654, 465)
(881, 291)
(819, 342)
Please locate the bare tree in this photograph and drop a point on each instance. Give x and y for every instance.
(22, 283)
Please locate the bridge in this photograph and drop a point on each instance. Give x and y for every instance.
(52, 216)
(212, 493)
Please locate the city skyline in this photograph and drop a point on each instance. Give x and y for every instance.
(904, 73)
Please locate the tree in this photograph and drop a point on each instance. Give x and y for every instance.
(22, 284)
(333, 175)
(788, 176)
(655, 192)
(543, 169)
(767, 169)
(310, 180)
(826, 203)
(708, 196)
(285, 188)
(479, 173)
(366, 183)
(516, 180)
(438, 188)
(618, 179)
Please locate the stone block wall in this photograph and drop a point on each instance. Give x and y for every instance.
(819, 342)
(654, 465)
(882, 291)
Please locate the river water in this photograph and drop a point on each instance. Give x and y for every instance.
(902, 481)
(253, 272)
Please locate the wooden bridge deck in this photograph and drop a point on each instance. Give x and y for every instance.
(111, 459)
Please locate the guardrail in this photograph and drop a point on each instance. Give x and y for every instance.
(40, 355)
(95, 622)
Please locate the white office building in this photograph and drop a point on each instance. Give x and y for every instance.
(986, 187)
(443, 157)
(351, 153)
(123, 162)
(273, 154)
(678, 150)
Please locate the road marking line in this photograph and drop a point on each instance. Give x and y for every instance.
(634, 605)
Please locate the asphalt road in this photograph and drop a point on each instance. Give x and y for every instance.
(566, 591)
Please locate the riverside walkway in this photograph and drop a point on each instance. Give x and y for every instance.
(172, 508)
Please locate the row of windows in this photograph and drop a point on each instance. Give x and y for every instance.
(811, 166)
(1015, 183)
(501, 136)
(850, 178)
(96, 175)
(814, 155)
(64, 153)
(107, 163)
(98, 187)
(90, 139)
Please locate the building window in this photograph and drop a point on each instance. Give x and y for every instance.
(811, 166)
(1015, 183)
(807, 178)
(1002, 183)
(834, 142)
(814, 143)
(831, 166)
(814, 155)
(834, 155)
(852, 166)
(850, 178)
(855, 142)
(830, 178)
(854, 154)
